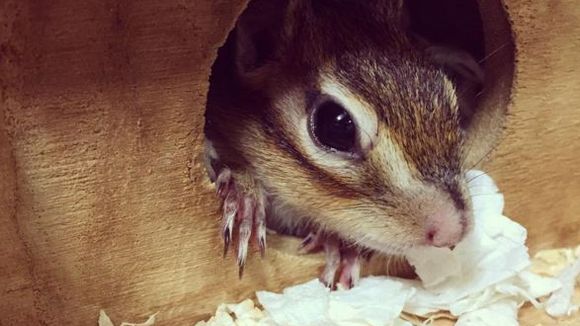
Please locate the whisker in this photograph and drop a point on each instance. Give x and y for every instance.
(494, 52)
(482, 195)
(487, 153)
(477, 176)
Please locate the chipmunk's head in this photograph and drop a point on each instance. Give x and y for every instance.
(358, 131)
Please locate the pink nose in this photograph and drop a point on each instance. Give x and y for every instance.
(445, 228)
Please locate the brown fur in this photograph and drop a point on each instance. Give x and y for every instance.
(363, 47)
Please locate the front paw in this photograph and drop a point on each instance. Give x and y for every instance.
(342, 259)
(243, 209)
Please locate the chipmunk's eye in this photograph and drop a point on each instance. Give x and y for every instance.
(332, 127)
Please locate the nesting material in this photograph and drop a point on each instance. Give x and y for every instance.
(104, 320)
(565, 264)
(482, 281)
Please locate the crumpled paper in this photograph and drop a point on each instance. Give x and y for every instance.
(560, 303)
(504, 313)
(313, 303)
(241, 314)
(564, 264)
(488, 266)
(104, 320)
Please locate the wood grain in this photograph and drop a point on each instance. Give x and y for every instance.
(103, 202)
(536, 165)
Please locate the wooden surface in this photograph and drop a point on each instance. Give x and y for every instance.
(103, 203)
(536, 165)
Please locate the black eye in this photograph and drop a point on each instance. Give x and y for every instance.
(332, 126)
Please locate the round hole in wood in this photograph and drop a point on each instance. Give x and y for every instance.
(478, 27)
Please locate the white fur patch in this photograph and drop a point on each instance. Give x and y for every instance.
(391, 158)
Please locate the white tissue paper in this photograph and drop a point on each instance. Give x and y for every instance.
(104, 320)
(563, 263)
(482, 281)
(241, 314)
(374, 302)
(560, 303)
(488, 266)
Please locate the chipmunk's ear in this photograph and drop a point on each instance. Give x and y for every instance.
(457, 63)
(257, 35)
(465, 73)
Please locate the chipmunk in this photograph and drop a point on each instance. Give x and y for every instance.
(327, 119)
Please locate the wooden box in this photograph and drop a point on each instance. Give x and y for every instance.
(103, 197)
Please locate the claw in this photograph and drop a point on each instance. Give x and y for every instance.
(350, 273)
(262, 245)
(240, 271)
(227, 240)
(338, 256)
(261, 226)
(242, 211)
(223, 182)
(332, 251)
(230, 208)
(246, 215)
